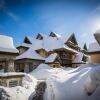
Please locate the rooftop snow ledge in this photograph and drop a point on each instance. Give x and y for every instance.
(6, 44)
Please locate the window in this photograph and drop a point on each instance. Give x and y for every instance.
(13, 83)
(63, 55)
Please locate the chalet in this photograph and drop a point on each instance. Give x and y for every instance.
(7, 53)
(66, 55)
(94, 49)
(44, 47)
(28, 61)
(11, 79)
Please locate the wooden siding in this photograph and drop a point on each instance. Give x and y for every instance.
(22, 49)
(95, 58)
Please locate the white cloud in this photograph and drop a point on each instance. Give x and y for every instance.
(12, 15)
(9, 13)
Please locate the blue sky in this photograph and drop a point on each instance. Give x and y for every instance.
(20, 18)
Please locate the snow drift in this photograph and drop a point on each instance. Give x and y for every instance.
(81, 83)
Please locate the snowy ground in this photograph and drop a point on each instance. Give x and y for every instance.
(62, 83)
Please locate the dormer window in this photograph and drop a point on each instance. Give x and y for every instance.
(26, 40)
(52, 34)
(39, 36)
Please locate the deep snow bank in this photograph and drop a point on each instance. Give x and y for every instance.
(72, 84)
(62, 83)
(43, 71)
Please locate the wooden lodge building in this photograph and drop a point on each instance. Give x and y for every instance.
(42, 48)
(7, 53)
(94, 49)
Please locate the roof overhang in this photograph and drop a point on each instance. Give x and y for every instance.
(93, 52)
(29, 59)
(67, 50)
(97, 37)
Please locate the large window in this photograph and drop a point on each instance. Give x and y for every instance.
(63, 55)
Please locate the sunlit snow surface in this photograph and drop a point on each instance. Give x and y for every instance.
(62, 83)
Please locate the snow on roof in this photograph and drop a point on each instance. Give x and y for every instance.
(51, 58)
(57, 35)
(6, 44)
(97, 36)
(93, 47)
(78, 58)
(49, 43)
(70, 49)
(30, 54)
(8, 50)
(11, 74)
(98, 31)
(64, 37)
(24, 45)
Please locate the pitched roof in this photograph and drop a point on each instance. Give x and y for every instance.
(51, 58)
(94, 47)
(97, 36)
(30, 54)
(48, 43)
(6, 44)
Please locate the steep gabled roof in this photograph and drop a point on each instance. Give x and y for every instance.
(72, 38)
(6, 44)
(27, 40)
(51, 58)
(30, 54)
(94, 47)
(48, 43)
(97, 36)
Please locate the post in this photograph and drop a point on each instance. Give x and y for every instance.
(9, 65)
(26, 69)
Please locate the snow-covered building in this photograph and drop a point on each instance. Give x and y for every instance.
(53, 60)
(8, 52)
(11, 79)
(28, 60)
(65, 46)
(94, 49)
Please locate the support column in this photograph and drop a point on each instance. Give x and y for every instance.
(26, 69)
(9, 65)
